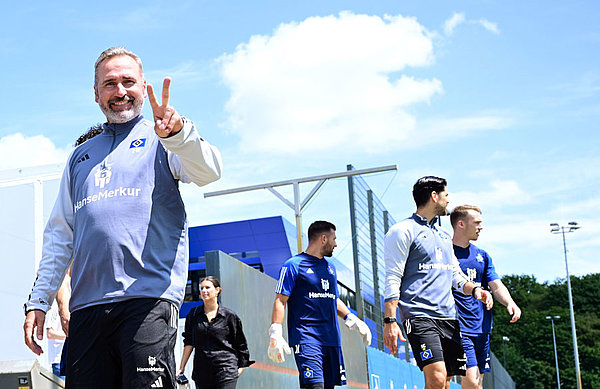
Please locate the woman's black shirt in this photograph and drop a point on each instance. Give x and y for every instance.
(220, 345)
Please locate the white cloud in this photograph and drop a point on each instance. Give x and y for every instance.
(438, 130)
(451, 23)
(499, 193)
(523, 244)
(19, 151)
(490, 26)
(459, 18)
(148, 17)
(329, 83)
(184, 73)
(575, 208)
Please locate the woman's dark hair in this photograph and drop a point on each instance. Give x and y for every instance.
(92, 132)
(424, 186)
(214, 280)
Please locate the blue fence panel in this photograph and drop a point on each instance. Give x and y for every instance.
(388, 372)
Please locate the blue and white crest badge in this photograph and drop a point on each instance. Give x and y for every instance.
(479, 257)
(426, 354)
(138, 143)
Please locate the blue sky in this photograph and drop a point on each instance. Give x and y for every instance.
(500, 98)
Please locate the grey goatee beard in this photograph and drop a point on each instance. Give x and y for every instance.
(123, 116)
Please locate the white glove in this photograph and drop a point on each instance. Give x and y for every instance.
(354, 323)
(277, 345)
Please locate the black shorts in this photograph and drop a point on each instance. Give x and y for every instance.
(127, 344)
(435, 340)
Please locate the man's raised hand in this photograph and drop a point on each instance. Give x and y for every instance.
(167, 121)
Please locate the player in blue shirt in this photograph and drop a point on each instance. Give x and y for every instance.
(308, 286)
(475, 321)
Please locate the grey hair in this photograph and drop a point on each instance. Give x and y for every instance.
(114, 52)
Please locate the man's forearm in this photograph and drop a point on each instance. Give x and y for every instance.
(342, 309)
(468, 288)
(278, 311)
(390, 308)
(501, 293)
(63, 296)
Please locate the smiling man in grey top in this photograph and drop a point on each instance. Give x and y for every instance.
(119, 218)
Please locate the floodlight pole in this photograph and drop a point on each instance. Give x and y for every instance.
(556, 229)
(551, 318)
(298, 204)
(504, 340)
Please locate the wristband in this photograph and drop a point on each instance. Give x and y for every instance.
(473, 291)
(389, 320)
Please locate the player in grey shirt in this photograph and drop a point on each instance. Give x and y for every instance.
(421, 271)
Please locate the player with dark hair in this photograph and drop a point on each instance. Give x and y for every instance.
(308, 286)
(425, 186)
(421, 272)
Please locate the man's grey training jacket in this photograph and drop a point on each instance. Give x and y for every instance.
(120, 217)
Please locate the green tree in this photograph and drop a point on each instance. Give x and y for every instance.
(530, 351)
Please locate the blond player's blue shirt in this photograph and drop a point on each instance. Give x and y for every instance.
(478, 266)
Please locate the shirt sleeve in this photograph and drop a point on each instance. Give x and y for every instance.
(335, 279)
(287, 279)
(57, 249)
(490, 274)
(188, 337)
(395, 250)
(191, 158)
(240, 345)
(459, 278)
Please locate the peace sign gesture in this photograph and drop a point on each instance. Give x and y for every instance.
(166, 119)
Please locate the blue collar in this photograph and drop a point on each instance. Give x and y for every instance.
(118, 128)
(423, 220)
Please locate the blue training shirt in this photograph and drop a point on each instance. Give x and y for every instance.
(478, 266)
(311, 284)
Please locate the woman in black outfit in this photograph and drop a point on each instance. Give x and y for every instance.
(215, 332)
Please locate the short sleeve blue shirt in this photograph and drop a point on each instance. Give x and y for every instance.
(311, 284)
(478, 266)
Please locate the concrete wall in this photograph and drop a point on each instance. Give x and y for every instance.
(27, 374)
(250, 293)
(498, 378)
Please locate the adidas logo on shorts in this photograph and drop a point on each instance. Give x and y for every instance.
(158, 383)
